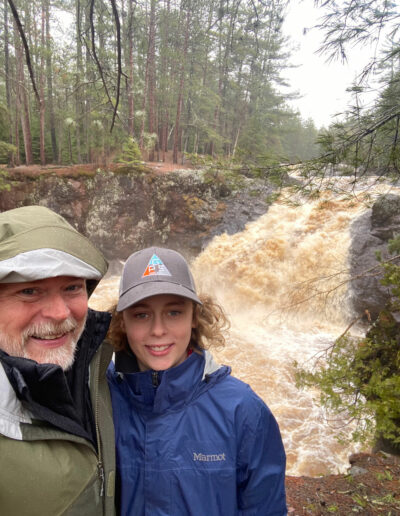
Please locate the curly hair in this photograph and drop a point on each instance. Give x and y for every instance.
(210, 320)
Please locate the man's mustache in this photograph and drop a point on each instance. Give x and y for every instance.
(50, 329)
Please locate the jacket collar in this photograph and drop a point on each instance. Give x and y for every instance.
(125, 362)
(158, 391)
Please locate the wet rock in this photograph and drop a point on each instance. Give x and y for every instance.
(370, 234)
(385, 217)
(356, 470)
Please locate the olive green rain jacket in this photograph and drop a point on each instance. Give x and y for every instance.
(56, 431)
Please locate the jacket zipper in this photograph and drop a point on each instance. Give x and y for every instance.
(154, 378)
(100, 466)
(100, 471)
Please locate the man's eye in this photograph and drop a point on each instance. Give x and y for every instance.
(174, 313)
(28, 291)
(74, 288)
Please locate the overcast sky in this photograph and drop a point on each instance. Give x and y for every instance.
(322, 86)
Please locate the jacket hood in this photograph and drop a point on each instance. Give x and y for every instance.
(37, 243)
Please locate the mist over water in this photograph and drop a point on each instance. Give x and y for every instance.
(282, 282)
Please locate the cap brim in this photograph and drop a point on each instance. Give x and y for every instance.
(153, 288)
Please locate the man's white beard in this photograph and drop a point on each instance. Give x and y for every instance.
(63, 356)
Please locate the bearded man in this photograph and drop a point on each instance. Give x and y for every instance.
(56, 433)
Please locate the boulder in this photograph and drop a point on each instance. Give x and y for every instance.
(370, 234)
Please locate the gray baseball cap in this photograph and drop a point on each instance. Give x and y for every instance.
(154, 271)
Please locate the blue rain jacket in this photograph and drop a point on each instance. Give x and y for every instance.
(195, 441)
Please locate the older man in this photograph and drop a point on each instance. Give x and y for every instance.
(56, 433)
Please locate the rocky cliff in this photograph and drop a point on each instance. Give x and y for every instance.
(131, 208)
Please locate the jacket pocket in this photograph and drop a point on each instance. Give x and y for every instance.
(206, 481)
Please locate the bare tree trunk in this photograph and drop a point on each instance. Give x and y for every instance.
(131, 100)
(144, 104)
(208, 43)
(23, 102)
(18, 27)
(165, 135)
(119, 61)
(151, 56)
(7, 77)
(223, 80)
(16, 129)
(180, 94)
(78, 78)
(236, 141)
(85, 92)
(195, 142)
(144, 108)
(42, 80)
(49, 74)
(164, 94)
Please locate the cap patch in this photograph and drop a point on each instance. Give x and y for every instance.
(155, 267)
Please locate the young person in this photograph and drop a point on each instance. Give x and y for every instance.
(190, 438)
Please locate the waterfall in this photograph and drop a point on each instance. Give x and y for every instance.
(283, 283)
(290, 264)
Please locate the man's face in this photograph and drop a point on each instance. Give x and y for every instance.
(43, 320)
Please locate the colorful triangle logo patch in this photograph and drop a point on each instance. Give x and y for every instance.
(155, 267)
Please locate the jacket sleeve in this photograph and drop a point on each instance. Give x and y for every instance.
(261, 463)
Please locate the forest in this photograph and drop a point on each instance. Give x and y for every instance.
(81, 79)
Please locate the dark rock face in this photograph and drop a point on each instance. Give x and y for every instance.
(247, 205)
(123, 212)
(370, 234)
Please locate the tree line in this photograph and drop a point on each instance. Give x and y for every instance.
(80, 77)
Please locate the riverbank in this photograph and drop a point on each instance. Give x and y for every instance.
(370, 487)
